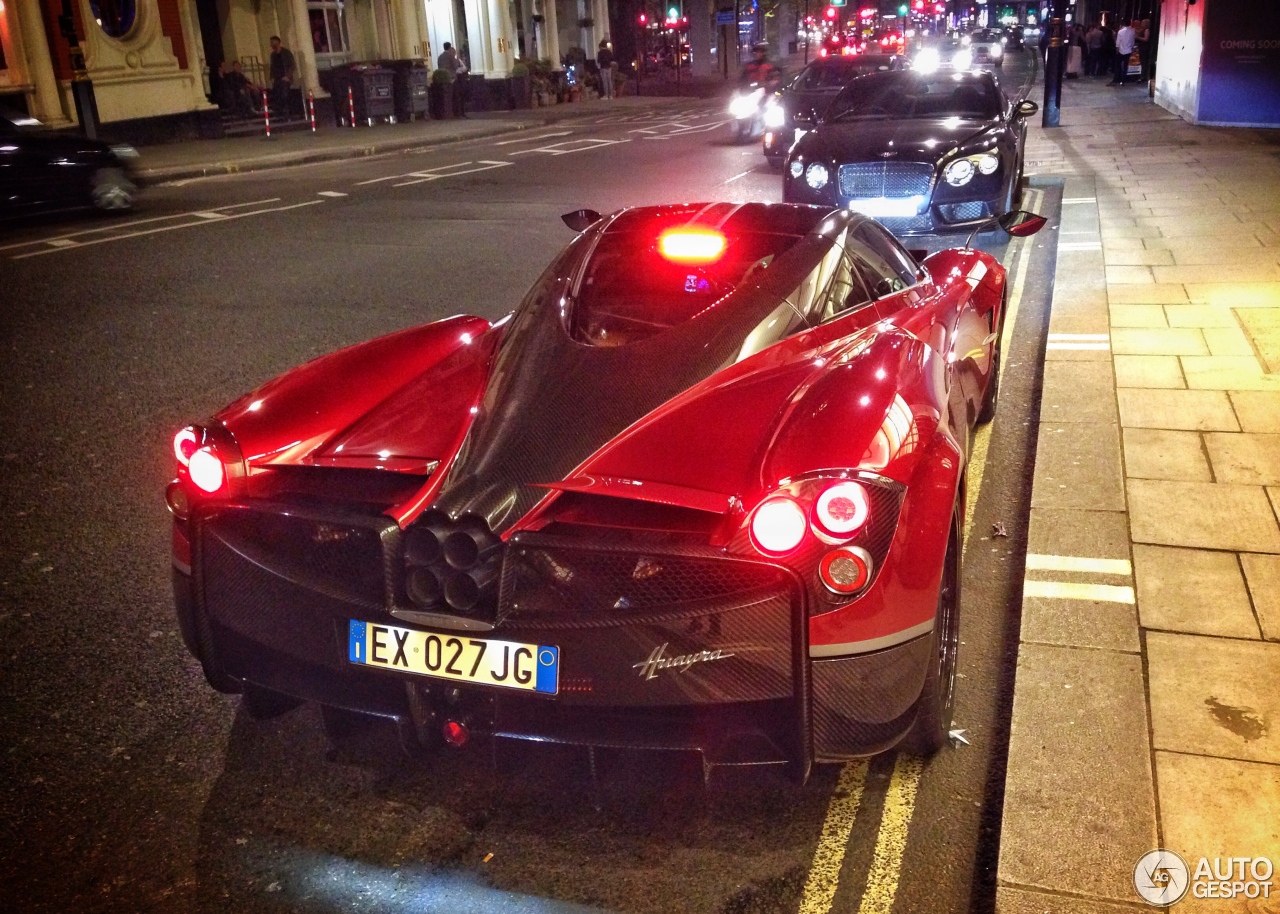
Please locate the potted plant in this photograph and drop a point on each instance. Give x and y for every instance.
(520, 85)
(439, 93)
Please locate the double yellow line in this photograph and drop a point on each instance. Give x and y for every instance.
(900, 798)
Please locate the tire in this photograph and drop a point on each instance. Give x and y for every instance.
(775, 162)
(991, 397)
(932, 727)
(111, 191)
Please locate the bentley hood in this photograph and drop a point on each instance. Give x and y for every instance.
(893, 140)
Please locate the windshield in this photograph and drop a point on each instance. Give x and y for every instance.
(629, 291)
(911, 95)
(833, 75)
(985, 35)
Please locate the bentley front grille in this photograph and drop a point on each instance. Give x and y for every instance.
(885, 179)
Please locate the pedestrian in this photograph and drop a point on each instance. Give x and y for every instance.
(1125, 40)
(1093, 64)
(1075, 52)
(283, 70)
(452, 61)
(1143, 42)
(604, 60)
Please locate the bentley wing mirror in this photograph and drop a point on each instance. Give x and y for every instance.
(581, 219)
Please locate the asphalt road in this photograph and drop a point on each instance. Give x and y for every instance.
(126, 784)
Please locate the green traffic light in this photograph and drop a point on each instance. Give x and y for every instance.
(902, 10)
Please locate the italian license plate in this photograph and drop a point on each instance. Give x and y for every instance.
(459, 657)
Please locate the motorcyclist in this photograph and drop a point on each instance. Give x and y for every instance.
(759, 71)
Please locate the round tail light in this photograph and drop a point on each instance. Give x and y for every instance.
(846, 570)
(206, 470)
(778, 525)
(842, 509)
(184, 445)
(455, 734)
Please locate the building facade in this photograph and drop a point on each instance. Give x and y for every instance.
(151, 61)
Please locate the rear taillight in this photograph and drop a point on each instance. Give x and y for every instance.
(846, 570)
(842, 509)
(185, 443)
(206, 470)
(778, 525)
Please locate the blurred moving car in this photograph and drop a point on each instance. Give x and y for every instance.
(43, 169)
(945, 53)
(986, 48)
(921, 152)
(807, 95)
(1013, 38)
(703, 490)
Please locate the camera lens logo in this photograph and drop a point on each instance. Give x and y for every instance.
(1161, 878)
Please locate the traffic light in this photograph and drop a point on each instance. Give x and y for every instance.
(673, 13)
(902, 10)
(643, 20)
(831, 12)
(919, 5)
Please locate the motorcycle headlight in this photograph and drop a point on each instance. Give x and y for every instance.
(987, 163)
(774, 116)
(959, 172)
(745, 105)
(797, 169)
(816, 176)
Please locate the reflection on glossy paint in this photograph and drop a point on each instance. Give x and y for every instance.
(896, 436)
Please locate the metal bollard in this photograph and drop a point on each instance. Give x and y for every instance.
(266, 113)
(311, 109)
(351, 105)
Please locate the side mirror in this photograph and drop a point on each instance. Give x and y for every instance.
(1025, 108)
(1020, 223)
(581, 219)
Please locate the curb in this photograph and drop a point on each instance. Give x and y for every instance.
(338, 154)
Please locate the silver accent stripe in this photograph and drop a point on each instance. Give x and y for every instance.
(871, 644)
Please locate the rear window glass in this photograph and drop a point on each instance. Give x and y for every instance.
(629, 291)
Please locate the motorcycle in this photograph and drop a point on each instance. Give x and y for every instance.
(746, 112)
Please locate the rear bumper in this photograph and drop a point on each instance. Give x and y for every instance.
(252, 614)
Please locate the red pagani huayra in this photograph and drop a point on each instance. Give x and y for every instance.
(703, 490)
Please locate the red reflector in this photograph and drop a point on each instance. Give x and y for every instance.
(778, 525)
(206, 470)
(184, 445)
(691, 245)
(842, 508)
(845, 570)
(455, 734)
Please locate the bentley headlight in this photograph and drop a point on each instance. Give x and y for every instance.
(774, 116)
(797, 169)
(959, 172)
(987, 163)
(816, 176)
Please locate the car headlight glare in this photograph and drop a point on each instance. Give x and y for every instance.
(987, 164)
(996, 50)
(816, 176)
(963, 60)
(960, 172)
(774, 116)
(797, 169)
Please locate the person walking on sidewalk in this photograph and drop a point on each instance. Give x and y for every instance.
(283, 69)
(604, 60)
(1126, 38)
(1143, 41)
(1093, 64)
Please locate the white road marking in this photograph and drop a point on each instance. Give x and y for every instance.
(119, 225)
(686, 131)
(558, 149)
(422, 177)
(62, 243)
(1037, 562)
(210, 216)
(736, 177)
(330, 193)
(824, 872)
(530, 139)
(1071, 590)
(895, 822)
(169, 228)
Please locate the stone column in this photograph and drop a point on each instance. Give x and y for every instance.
(410, 42)
(33, 44)
(479, 47)
(551, 34)
(304, 53)
(701, 35)
(501, 40)
(600, 13)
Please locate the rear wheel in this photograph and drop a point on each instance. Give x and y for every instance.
(991, 398)
(933, 718)
(111, 191)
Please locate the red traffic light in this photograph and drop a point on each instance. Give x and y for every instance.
(643, 20)
(919, 4)
(831, 12)
(940, 8)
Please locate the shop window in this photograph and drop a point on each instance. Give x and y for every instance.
(116, 17)
(329, 38)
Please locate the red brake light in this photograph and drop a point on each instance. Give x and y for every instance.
(207, 472)
(778, 525)
(691, 245)
(822, 53)
(184, 445)
(842, 508)
(845, 570)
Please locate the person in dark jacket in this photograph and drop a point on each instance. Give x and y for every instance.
(283, 71)
(604, 60)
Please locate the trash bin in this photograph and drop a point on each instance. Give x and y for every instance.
(372, 90)
(412, 83)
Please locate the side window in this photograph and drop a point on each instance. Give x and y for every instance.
(892, 267)
(847, 289)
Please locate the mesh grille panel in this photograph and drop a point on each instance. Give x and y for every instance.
(885, 179)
